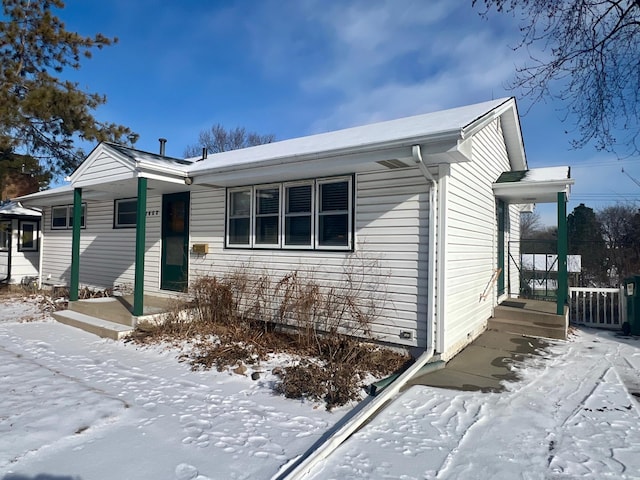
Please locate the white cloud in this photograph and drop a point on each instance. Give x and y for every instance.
(384, 59)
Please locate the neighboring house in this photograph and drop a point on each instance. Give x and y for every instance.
(416, 194)
(19, 243)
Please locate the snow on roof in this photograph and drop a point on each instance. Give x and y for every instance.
(46, 193)
(443, 122)
(16, 209)
(148, 157)
(544, 174)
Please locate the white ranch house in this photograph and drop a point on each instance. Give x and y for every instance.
(419, 194)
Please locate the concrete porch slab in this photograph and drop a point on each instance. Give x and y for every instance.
(484, 364)
(111, 317)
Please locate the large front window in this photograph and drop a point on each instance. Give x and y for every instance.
(303, 215)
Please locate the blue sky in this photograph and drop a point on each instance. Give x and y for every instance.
(295, 68)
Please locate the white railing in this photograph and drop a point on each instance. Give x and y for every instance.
(597, 307)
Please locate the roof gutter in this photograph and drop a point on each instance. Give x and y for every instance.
(451, 136)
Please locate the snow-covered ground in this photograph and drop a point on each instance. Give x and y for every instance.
(73, 406)
(571, 416)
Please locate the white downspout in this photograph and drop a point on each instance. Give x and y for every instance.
(301, 466)
(432, 298)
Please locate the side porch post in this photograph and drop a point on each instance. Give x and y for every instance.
(141, 227)
(563, 283)
(75, 245)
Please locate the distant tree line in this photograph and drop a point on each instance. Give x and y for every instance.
(608, 241)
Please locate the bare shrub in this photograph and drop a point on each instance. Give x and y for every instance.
(221, 355)
(213, 301)
(305, 380)
(249, 313)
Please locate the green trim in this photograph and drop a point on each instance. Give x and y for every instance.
(562, 253)
(75, 245)
(501, 208)
(141, 235)
(512, 176)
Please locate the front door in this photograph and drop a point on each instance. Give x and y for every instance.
(175, 242)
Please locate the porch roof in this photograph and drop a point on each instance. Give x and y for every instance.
(16, 210)
(537, 185)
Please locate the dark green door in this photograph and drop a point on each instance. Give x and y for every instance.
(175, 242)
(501, 213)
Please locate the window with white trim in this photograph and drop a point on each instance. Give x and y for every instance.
(298, 215)
(239, 217)
(125, 213)
(334, 198)
(62, 217)
(311, 214)
(28, 237)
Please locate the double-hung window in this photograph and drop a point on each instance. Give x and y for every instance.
(239, 217)
(298, 215)
(334, 214)
(62, 217)
(267, 216)
(311, 214)
(125, 213)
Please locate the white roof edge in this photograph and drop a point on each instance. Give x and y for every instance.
(441, 125)
(62, 190)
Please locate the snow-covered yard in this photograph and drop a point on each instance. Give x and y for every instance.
(73, 406)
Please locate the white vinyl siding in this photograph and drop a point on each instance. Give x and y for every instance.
(104, 169)
(107, 255)
(472, 242)
(391, 216)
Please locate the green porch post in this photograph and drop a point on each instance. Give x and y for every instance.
(141, 235)
(563, 284)
(75, 245)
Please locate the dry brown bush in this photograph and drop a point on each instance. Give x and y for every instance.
(246, 315)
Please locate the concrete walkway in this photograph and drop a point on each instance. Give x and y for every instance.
(484, 364)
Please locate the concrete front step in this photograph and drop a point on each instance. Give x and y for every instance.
(540, 328)
(97, 326)
(533, 316)
(111, 309)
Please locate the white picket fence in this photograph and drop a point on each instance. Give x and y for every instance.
(597, 307)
